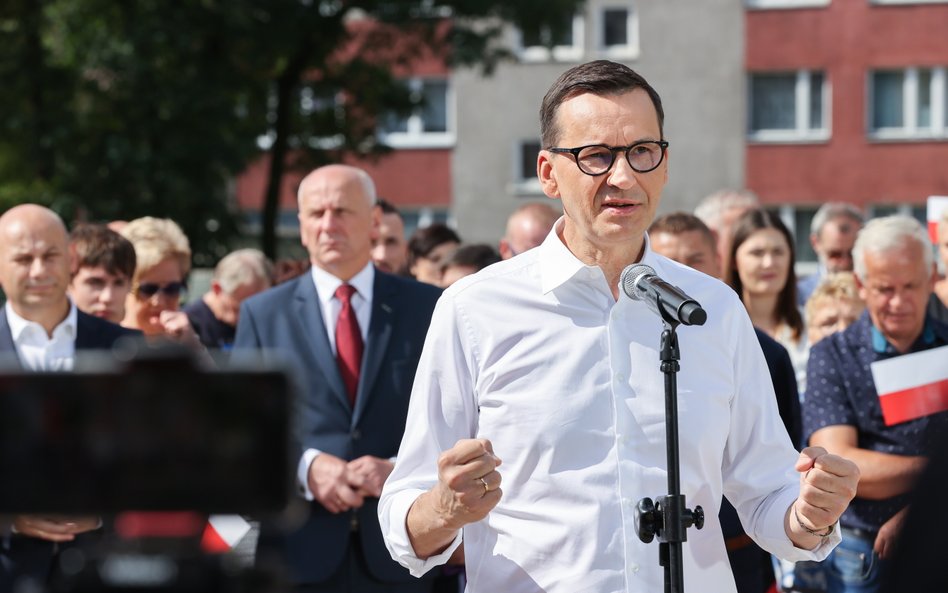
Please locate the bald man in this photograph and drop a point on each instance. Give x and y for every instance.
(41, 330)
(527, 227)
(354, 335)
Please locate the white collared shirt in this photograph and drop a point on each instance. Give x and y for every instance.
(37, 350)
(326, 285)
(535, 354)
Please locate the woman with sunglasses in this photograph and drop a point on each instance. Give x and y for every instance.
(163, 257)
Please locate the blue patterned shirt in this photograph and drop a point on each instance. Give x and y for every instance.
(840, 390)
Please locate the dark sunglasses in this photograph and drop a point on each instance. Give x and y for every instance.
(170, 290)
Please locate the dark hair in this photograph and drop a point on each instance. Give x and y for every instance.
(477, 256)
(424, 240)
(677, 223)
(749, 223)
(387, 207)
(600, 77)
(96, 245)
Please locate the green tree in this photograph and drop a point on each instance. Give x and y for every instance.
(121, 109)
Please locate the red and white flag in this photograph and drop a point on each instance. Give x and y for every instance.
(912, 385)
(935, 208)
(223, 532)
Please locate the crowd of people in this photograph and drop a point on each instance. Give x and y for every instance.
(490, 414)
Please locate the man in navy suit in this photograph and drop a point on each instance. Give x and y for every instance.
(41, 330)
(351, 415)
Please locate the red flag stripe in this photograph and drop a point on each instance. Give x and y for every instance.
(909, 404)
(212, 542)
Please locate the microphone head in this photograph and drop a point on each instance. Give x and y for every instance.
(630, 277)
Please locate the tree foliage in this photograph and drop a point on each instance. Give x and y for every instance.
(118, 109)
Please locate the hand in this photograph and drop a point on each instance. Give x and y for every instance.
(329, 484)
(468, 483)
(889, 533)
(54, 529)
(177, 326)
(827, 485)
(367, 474)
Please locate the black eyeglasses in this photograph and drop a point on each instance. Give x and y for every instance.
(597, 159)
(172, 290)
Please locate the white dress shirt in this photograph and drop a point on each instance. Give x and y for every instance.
(326, 285)
(38, 351)
(535, 354)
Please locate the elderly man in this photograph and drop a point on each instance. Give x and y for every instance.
(239, 275)
(353, 334)
(842, 412)
(832, 234)
(721, 210)
(41, 330)
(527, 227)
(538, 362)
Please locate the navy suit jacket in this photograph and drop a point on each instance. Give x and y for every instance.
(288, 319)
(28, 557)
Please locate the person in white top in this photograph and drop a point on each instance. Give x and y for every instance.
(536, 420)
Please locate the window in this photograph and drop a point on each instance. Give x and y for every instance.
(429, 125)
(788, 106)
(543, 45)
(908, 1)
(617, 28)
(525, 169)
(908, 103)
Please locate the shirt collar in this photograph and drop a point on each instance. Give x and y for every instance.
(18, 324)
(326, 283)
(882, 346)
(558, 264)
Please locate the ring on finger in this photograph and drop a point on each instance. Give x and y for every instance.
(484, 482)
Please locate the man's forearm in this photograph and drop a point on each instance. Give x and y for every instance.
(884, 475)
(426, 530)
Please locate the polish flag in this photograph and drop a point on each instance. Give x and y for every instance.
(223, 532)
(912, 385)
(936, 207)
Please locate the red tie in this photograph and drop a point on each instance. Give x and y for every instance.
(348, 342)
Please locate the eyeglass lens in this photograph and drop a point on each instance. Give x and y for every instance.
(171, 290)
(642, 157)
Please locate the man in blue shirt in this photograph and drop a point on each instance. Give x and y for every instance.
(895, 273)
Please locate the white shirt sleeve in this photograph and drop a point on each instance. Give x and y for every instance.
(757, 448)
(302, 472)
(442, 411)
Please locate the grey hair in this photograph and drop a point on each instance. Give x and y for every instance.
(243, 267)
(368, 186)
(831, 210)
(712, 208)
(887, 233)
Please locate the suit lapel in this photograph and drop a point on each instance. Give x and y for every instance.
(309, 312)
(379, 335)
(8, 353)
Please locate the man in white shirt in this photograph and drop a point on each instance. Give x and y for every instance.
(41, 329)
(537, 361)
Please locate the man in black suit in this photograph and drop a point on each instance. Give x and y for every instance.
(354, 335)
(41, 330)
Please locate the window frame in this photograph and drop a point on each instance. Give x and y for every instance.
(631, 49)
(415, 136)
(784, 4)
(520, 185)
(801, 132)
(937, 129)
(557, 53)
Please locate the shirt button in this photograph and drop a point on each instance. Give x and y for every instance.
(634, 568)
(620, 378)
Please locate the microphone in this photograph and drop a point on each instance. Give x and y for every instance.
(640, 283)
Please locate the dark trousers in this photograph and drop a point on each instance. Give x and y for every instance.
(353, 576)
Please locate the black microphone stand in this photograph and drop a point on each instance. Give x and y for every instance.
(669, 519)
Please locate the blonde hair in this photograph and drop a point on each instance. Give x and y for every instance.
(156, 239)
(838, 286)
